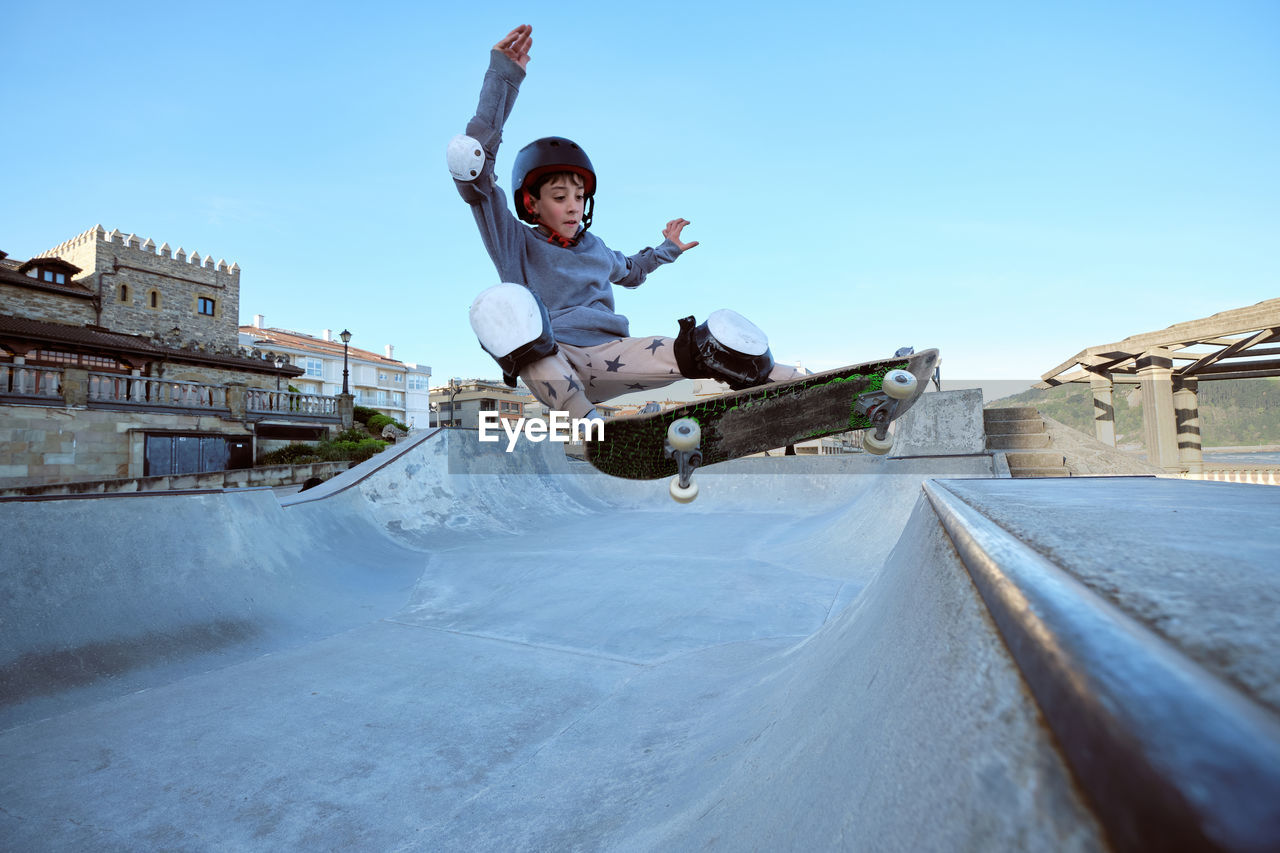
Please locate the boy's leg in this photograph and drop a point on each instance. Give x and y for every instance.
(553, 381)
(623, 366)
(628, 365)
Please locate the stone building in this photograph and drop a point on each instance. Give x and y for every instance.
(119, 359)
(156, 292)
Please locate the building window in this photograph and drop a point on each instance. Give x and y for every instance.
(417, 382)
(205, 306)
(382, 377)
(93, 362)
(154, 299)
(315, 367)
(488, 406)
(124, 293)
(397, 378)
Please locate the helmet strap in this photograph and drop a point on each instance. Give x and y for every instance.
(555, 237)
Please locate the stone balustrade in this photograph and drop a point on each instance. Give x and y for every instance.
(1265, 475)
(22, 380)
(120, 389)
(74, 387)
(290, 404)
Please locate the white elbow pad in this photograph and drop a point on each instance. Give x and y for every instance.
(465, 157)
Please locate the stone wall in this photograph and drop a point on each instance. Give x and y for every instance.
(41, 444)
(269, 476)
(150, 290)
(210, 375)
(45, 305)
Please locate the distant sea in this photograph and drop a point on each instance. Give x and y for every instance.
(1241, 458)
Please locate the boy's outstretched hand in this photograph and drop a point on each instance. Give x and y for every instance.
(516, 45)
(672, 233)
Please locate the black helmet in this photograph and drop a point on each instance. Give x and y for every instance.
(544, 156)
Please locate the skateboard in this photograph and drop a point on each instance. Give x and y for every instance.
(673, 443)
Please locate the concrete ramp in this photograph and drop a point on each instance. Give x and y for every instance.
(454, 648)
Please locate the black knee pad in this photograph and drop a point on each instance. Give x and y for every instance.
(701, 355)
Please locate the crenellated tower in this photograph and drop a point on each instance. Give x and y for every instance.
(176, 297)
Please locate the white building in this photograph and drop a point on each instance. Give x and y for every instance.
(395, 388)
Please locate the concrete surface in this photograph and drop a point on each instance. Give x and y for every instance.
(454, 648)
(1085, 456)
(942, 423)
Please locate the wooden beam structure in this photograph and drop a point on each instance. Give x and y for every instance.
(1168, 365)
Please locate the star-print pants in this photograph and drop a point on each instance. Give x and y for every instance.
(575, 378)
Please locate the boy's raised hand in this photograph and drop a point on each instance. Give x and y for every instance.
(516, 45)
(672, 233)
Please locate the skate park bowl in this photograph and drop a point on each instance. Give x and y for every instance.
(452, 647)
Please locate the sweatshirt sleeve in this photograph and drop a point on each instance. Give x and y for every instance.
(632, 270)
(499, 229)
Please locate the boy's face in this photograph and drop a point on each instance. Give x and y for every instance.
(560, 205)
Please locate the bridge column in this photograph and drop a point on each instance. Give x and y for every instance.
(1155, 374)
(1186, 411)
(1104, 410)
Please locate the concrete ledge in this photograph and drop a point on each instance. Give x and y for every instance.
(1171, 756)
(270, 476)
(942, 423)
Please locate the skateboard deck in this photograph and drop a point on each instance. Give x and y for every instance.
(765, 417)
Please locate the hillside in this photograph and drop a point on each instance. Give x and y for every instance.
(1233, 413)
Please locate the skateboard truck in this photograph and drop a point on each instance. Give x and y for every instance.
(684, 438)
(879, 407)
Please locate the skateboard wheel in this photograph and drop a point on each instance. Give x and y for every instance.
(879, 447)
(684, 434)
(683, 494)
(899, 384)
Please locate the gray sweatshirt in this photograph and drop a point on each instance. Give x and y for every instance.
(575, 283)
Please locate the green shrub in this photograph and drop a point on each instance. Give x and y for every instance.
(363, 413)
(367, 448)
(351, 444)
(353, 434)
(292, 454)
(379, 421)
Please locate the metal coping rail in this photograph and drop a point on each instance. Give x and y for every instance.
(1170, 755)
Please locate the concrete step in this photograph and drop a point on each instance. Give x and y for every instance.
(1030, 473)
(1017, 413)
(1033, 459)
(1027, 441)
(1022, 426)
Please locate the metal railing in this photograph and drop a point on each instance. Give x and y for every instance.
(118, 389)
(21, 380)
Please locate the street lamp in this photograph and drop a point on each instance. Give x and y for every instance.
(346, 339)
(454, 388)
(281, 361)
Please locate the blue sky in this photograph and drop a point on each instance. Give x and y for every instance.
(1007, 181)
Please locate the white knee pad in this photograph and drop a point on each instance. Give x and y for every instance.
(513, 327)
(738, 333)
(465, 157)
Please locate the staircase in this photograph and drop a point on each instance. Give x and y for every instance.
(1020, 436)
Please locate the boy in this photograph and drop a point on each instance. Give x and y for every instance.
(552, 322)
